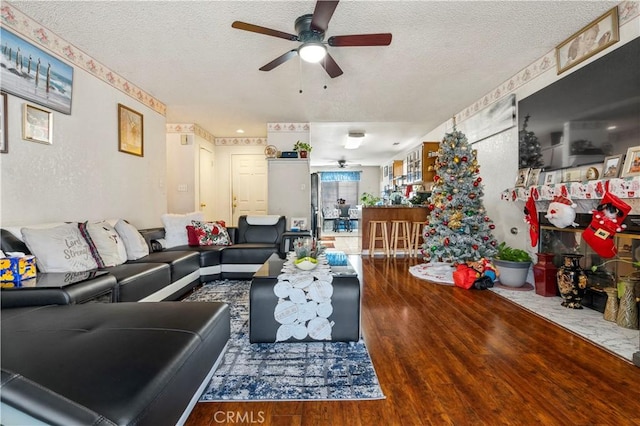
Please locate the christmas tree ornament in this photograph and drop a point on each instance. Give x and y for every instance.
(561, 212)
(605, 223)
(531, 217)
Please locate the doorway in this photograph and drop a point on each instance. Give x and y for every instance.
(249, 188)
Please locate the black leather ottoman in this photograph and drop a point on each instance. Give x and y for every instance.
(345, 301)
(108, 363)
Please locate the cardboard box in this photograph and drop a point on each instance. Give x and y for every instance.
(15, 269)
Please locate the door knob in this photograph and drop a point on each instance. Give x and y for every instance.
(203, 205)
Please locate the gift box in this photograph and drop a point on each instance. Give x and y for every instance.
(16, 269)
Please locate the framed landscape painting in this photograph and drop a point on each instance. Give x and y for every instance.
(32, 74)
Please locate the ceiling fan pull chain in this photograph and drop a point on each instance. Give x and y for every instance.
(300, 73)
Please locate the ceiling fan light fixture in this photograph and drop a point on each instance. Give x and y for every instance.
(312, 52)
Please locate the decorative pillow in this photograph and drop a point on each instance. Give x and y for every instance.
(59, 249)
(110, 247)
(134, 242)
(92, 246)
(175, 227)
(208, 234)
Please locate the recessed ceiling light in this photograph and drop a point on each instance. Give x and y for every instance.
(239, 131)
(612, 127)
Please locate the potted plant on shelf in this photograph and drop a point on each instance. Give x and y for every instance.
(513, 265)
(302, 148)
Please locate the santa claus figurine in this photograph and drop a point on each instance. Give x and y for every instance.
(606, 221)
(561, 212)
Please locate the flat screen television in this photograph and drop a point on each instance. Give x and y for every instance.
(588, 115)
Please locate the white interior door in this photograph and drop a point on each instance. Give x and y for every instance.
(249, 185)
(206, 190)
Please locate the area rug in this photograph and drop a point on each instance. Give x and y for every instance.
(283, 371)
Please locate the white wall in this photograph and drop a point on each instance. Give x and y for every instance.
(181, 171)
(83, 176)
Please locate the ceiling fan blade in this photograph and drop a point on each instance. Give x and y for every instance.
(331, 66)
(263, 30)
(382, 39)
(279, 60)
(322, 14)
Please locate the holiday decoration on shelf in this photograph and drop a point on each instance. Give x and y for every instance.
(529, 148)
(561, 212)
(458, 228)
(531, 217)
(606, 221)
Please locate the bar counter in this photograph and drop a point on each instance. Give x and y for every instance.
(389, 213)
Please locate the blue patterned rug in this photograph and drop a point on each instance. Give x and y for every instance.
(283, 371)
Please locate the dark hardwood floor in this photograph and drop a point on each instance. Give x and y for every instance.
(464, 357)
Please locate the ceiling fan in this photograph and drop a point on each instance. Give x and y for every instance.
(342, 163)
(311, 30)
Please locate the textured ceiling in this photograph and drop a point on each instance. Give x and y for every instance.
(444, 56)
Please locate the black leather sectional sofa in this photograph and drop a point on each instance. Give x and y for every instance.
(66, 361)
(165, 274)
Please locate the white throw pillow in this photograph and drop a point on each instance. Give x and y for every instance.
(175, 227)
(108, 243)
(59, 249)
(134, 242)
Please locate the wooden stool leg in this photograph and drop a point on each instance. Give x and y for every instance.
(385, 240)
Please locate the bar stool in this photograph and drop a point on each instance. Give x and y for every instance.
(373, 237)
(400, 234)
(416, 234)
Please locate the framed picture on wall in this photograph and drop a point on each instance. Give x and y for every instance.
(37, 124)
(632, 162)
(595, 37)
(32, 74)
(130, 131)
(4, 134)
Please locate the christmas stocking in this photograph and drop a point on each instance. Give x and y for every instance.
(531, 217)
(606, 221)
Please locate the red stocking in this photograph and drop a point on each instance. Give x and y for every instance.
(606, 221)
(531, 217)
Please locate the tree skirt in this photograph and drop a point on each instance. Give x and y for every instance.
(436, 272)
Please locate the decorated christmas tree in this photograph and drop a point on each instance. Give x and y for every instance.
(458, 228)
(529, 148)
